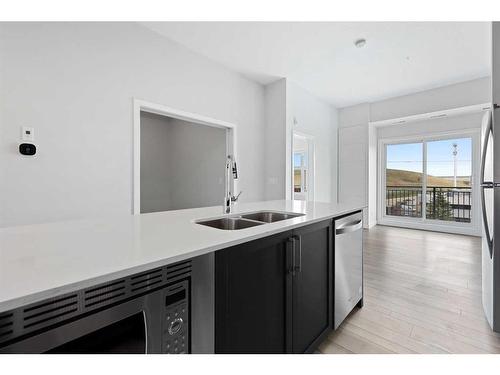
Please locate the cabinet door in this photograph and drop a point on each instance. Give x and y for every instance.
(311, 286)
(251, 297)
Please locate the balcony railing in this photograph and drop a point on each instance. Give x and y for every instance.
(442, 203)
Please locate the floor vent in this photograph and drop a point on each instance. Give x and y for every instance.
(50, 312)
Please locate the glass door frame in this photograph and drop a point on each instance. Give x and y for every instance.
(472, 228)
(303, 172)
(309, 140)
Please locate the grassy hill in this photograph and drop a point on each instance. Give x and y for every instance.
(396, 177)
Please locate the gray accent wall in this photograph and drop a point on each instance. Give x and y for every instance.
(182, 164)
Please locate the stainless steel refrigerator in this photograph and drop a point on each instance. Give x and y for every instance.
(490, 192)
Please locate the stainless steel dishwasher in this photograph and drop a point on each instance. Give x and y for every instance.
(348, 279)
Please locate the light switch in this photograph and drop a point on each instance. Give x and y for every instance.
(27, 134)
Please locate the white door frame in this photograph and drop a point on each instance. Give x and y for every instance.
(311, 163)
(159, 109)
(472, 228)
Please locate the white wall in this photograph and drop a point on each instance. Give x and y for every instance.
(275, 144)
(477, 91)
(462, 94)
(74, 83)
(182, 164)
(354, 115)
(288, 108)
(155, 163)
(441, 125)
(353, 168)
(467, 93)
(312, 116)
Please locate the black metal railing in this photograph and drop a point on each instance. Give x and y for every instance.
(442, 203)
(404, 201)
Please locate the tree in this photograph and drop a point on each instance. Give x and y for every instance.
(439, 206)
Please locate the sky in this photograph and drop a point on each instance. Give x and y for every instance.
(409, 157)
(297, 159)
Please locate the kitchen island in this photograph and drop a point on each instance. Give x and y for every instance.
(40, 262)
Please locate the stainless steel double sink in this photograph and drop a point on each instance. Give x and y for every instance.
(242, 221)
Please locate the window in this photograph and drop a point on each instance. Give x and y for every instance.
(449, 180)
(299, 172)
(302, 175)
(404, 176)
(429, 180)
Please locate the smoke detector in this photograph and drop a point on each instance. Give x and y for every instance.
(359, 43)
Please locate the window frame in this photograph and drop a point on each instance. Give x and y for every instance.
(303, 167)
(472, 228)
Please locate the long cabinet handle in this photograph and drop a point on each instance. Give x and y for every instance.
(290, 248)
(297, 267)
(350, 227)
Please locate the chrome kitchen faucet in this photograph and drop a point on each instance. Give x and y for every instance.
(229, 198)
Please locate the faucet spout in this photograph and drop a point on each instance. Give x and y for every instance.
(227, 192)
(231, 174)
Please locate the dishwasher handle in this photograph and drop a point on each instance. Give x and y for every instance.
(349, 227)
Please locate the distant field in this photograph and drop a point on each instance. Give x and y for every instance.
(396, 177)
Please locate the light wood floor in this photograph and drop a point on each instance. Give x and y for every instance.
(422, 294)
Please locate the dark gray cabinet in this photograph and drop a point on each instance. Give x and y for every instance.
(273, 295)
(311, 286)
(250, 297)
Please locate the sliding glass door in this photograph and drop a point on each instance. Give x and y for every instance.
(404, 177)
(449, 180)
(428, 180)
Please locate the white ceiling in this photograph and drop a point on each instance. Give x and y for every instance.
(398, 58)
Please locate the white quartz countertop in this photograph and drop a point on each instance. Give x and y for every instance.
(44, 260)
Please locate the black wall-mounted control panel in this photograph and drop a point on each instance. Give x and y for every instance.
(28, 149)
